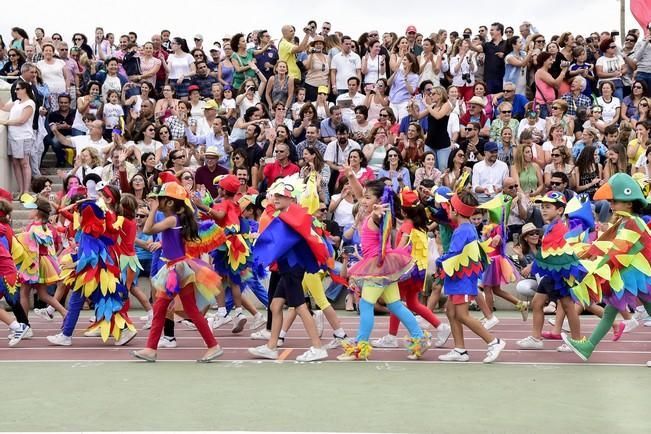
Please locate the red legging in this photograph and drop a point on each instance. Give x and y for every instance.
(409, 290)
(190, 307)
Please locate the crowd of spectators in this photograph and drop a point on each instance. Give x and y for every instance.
(493, 110)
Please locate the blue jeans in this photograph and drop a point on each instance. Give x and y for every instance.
(619, 89)
(442, 156)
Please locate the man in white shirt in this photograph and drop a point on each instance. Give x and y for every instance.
(349, 100)
(344, 65)
(336, 154)
(93, 139)
(488, 175)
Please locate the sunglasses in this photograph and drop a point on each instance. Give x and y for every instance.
(141, 216)
(393, 155)
(178, 157)
(384, 115)
(78, 39)
(508, 90)
(13, 55)
(612, 46)
(506, 112)
(532, 234)
(150, 129)
(644, 104)
(556, 155)
(186, 178)
(540, 41)
(56, 39)
(630, 40)
(555, 184)
(637, 86)
(322, 93)
(323, 209)
(555, 107)
(512, 187)
(470, 129)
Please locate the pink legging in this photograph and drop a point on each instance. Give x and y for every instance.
(409, 290)
(190, 307)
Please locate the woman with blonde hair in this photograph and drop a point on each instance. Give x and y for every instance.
(526, 173)
(437, 110)
(616, 161)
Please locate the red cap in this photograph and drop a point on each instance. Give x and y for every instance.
(461, 208)
(193, 87)
(4, 194)
(409, 198)
(411, 28)
(164, 177)
(230, 183)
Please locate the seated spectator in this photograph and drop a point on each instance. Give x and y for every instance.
(311, 140)
(87, 161)
(559, 181)
(63, 119)
(347, 101)
(313, 163)
(203, 80)
(376, 150)
(217, 139)
(559, 115)
(395, 170)
(473, 144)
(557, 138)
(575, 99)
(278, 167)
(341, 205)
(427, 171)
(504, 119)
(518, 101)
(637, 147)
(587, 173)
(616, 161)
(521, 206)
(413, 110)
(487, 101)
(306, 117)
(455, 168)
(590, 136)
(643, 165)
(526, 173)
(337, 153)
(94, 139)
(412, 149)
(609, 103)
(476, 114)
(330, 124)
(206, 174)
(111, 170)
(488, 175)
(360, 126)
(253, 150)
(533, 122)
(560, 162)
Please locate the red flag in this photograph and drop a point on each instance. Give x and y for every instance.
(641, 10)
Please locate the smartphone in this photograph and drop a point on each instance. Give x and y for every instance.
(350, 250)
(269, 160)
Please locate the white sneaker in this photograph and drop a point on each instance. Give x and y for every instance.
(312, 355)
(28, 335)
(264, 352)
(319, 319)
(19, 335)
(166, 342)
(96, 332)
(125, 337)
(630, 325)
(565, 327)
(147, 325)
(335, 343)
(258, 321)
(442, 335)
(550, 308)
(648, 364)
(388, 341)
(564, 349)
(647, 323)
(43, 313)
(221, 320)
(491, 322)
(530, 343)
(494, 351)
(144, 318)
(455, 356)
(422, 323)
(238, 323)
(60, 339)
(188, 324)
(261, 335)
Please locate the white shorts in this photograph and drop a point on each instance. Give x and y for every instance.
(20, 149)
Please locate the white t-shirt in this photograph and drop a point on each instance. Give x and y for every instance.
(179, 65)
(82, 142)
(52, 75)
(197, 110)
(112, 113)
(609, 64)
(538, 126)
(111, 83)
(343, 214)
(23, 131)
(453, 124)
(376, 68)
(338, 156)
(609, 109)
(348, 113)
(228, 104)
(346, 67)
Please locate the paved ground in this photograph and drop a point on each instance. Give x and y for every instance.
(95, 386)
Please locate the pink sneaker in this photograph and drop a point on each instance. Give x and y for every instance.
(619, 331)
(551, 336)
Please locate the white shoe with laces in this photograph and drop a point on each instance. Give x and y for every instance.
(388, 341)
(564, 349)
(335, 343)
(221, 320)
(312, 355)
(19, 335)
(261, 335)
(455, 356)
(491, 322)
(167, 342)
(258, 321)
(630, 325)
(530, 343)
(60, 339)
(43, 313)
(494, 351)
(263, 351)
(238, 323)
(188, 324)
(125, 337)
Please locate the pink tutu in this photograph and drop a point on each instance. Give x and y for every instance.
(396, 267)
(499, 272)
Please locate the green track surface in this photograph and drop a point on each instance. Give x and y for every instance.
(353, 397)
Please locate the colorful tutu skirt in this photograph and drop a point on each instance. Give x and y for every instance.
(233, 259)
(176, 275)
(45, 270)
(395, 267)
(130, 269)
(500, 271)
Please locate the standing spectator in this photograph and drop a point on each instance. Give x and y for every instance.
(463, 65)
(582, 68)
(313, 163)
(430, 62)
(473, 144)
(110, 79)
(345, 65)
(81, 41)
(476, 114)
(488, 175)
(403, 83)
(149, 65)
(161, 54)
(437, 110)
(180, 68)
(280, 88)
(267, 54)
(21, 138)
(411, 34)
(318, 69)
(516, 61)
(287, 50)
(611, 67)
(494, 52)
(54, 74)
(546, 85)
(203, 80)
(374, 66)
(243, 60)
(642, 58)
(337, 152)
(20, 38)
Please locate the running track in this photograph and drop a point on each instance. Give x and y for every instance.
(633, 349)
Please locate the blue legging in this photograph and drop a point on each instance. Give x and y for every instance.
(75, 305)
(367, 317)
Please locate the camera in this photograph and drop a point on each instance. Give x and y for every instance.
(350, 250)
(565, 64)
(250, 88)
(466, 77)
(466, 36)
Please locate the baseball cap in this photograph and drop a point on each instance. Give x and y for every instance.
(490, 147)
(411, 28)
(198, 36)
